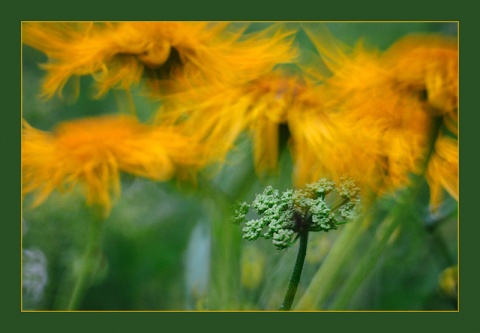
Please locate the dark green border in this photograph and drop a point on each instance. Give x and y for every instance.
(242, 10)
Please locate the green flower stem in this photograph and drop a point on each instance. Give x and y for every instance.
(297, 272)
(318, 290)
(88, 264)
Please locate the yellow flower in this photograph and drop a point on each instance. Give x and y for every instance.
(375, 101)
(359, 117)
(115, 53)
(448, 281)
(118, 53)
(394, 128)
(429, 63)
(91, 152)
(372, 138)
(259, 107)
(319, 141)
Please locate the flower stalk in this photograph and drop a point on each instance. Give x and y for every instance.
(297, 272)
(323, 280)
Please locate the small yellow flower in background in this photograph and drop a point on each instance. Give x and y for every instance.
(117, 54)
(91, 152)
(448, 281)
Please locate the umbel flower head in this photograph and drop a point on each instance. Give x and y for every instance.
(117, 54)
(284, 215)
(91, 152)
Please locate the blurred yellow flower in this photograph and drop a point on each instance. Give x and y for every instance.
(91, 152)
(429, 64)
(114, 52)
(363, 115)
(370, 138)
(258, 107)
(376, 100)
(448, 281)
(119, 53)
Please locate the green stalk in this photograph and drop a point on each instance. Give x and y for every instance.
(297, 272)
(88, 264)
(322, 282)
